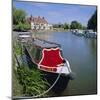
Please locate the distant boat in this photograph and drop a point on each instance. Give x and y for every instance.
(90, 34)
(85, 33)
(90, 31)
(78, 32)
(49, 59)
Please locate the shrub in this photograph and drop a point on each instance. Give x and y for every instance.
(17, 89)
(32, 81)
(22, 27)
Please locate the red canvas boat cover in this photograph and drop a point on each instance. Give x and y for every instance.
(51, 58)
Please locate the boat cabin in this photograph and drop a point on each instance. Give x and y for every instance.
(47, 56)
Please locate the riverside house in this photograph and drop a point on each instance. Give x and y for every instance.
(39, 23)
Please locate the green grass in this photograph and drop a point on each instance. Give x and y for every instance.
(17, 89)
(26, 82)
(32, 81)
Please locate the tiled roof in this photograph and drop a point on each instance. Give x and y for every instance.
(38, 20)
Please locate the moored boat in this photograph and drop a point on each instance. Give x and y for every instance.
(90, 34)
(78, 32)
(49, 60)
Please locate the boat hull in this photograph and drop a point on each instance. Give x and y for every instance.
(61, 83)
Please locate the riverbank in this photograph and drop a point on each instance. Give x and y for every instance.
(29, 82)
(49, 31)
(84, 33)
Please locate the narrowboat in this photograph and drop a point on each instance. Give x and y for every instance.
(48, 58)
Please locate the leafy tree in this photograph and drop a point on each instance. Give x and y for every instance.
(18, 16)
(19, 20)
(84, 27)
(22, 26)
(55, 25)
(59, 25)
(75, 25)
(92, 23)
(80, 26)
(66, 26)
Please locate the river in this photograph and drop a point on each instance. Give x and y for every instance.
(81, 52)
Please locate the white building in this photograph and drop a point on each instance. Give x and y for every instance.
(39, 23)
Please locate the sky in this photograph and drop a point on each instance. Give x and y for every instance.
(57, 13)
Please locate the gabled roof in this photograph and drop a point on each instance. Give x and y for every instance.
(37, 20)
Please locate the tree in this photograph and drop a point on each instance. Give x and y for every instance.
(80, 26)
(59, 25)
(19, 20)
(75, 25)
(22, 26)
(18, 16)
(66, 26)
(84, 27)
(92, 23)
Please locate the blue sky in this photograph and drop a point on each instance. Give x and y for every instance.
(57, 13)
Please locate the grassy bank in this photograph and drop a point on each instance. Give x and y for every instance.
(26, 82)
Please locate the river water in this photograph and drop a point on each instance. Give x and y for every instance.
(81, 54)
